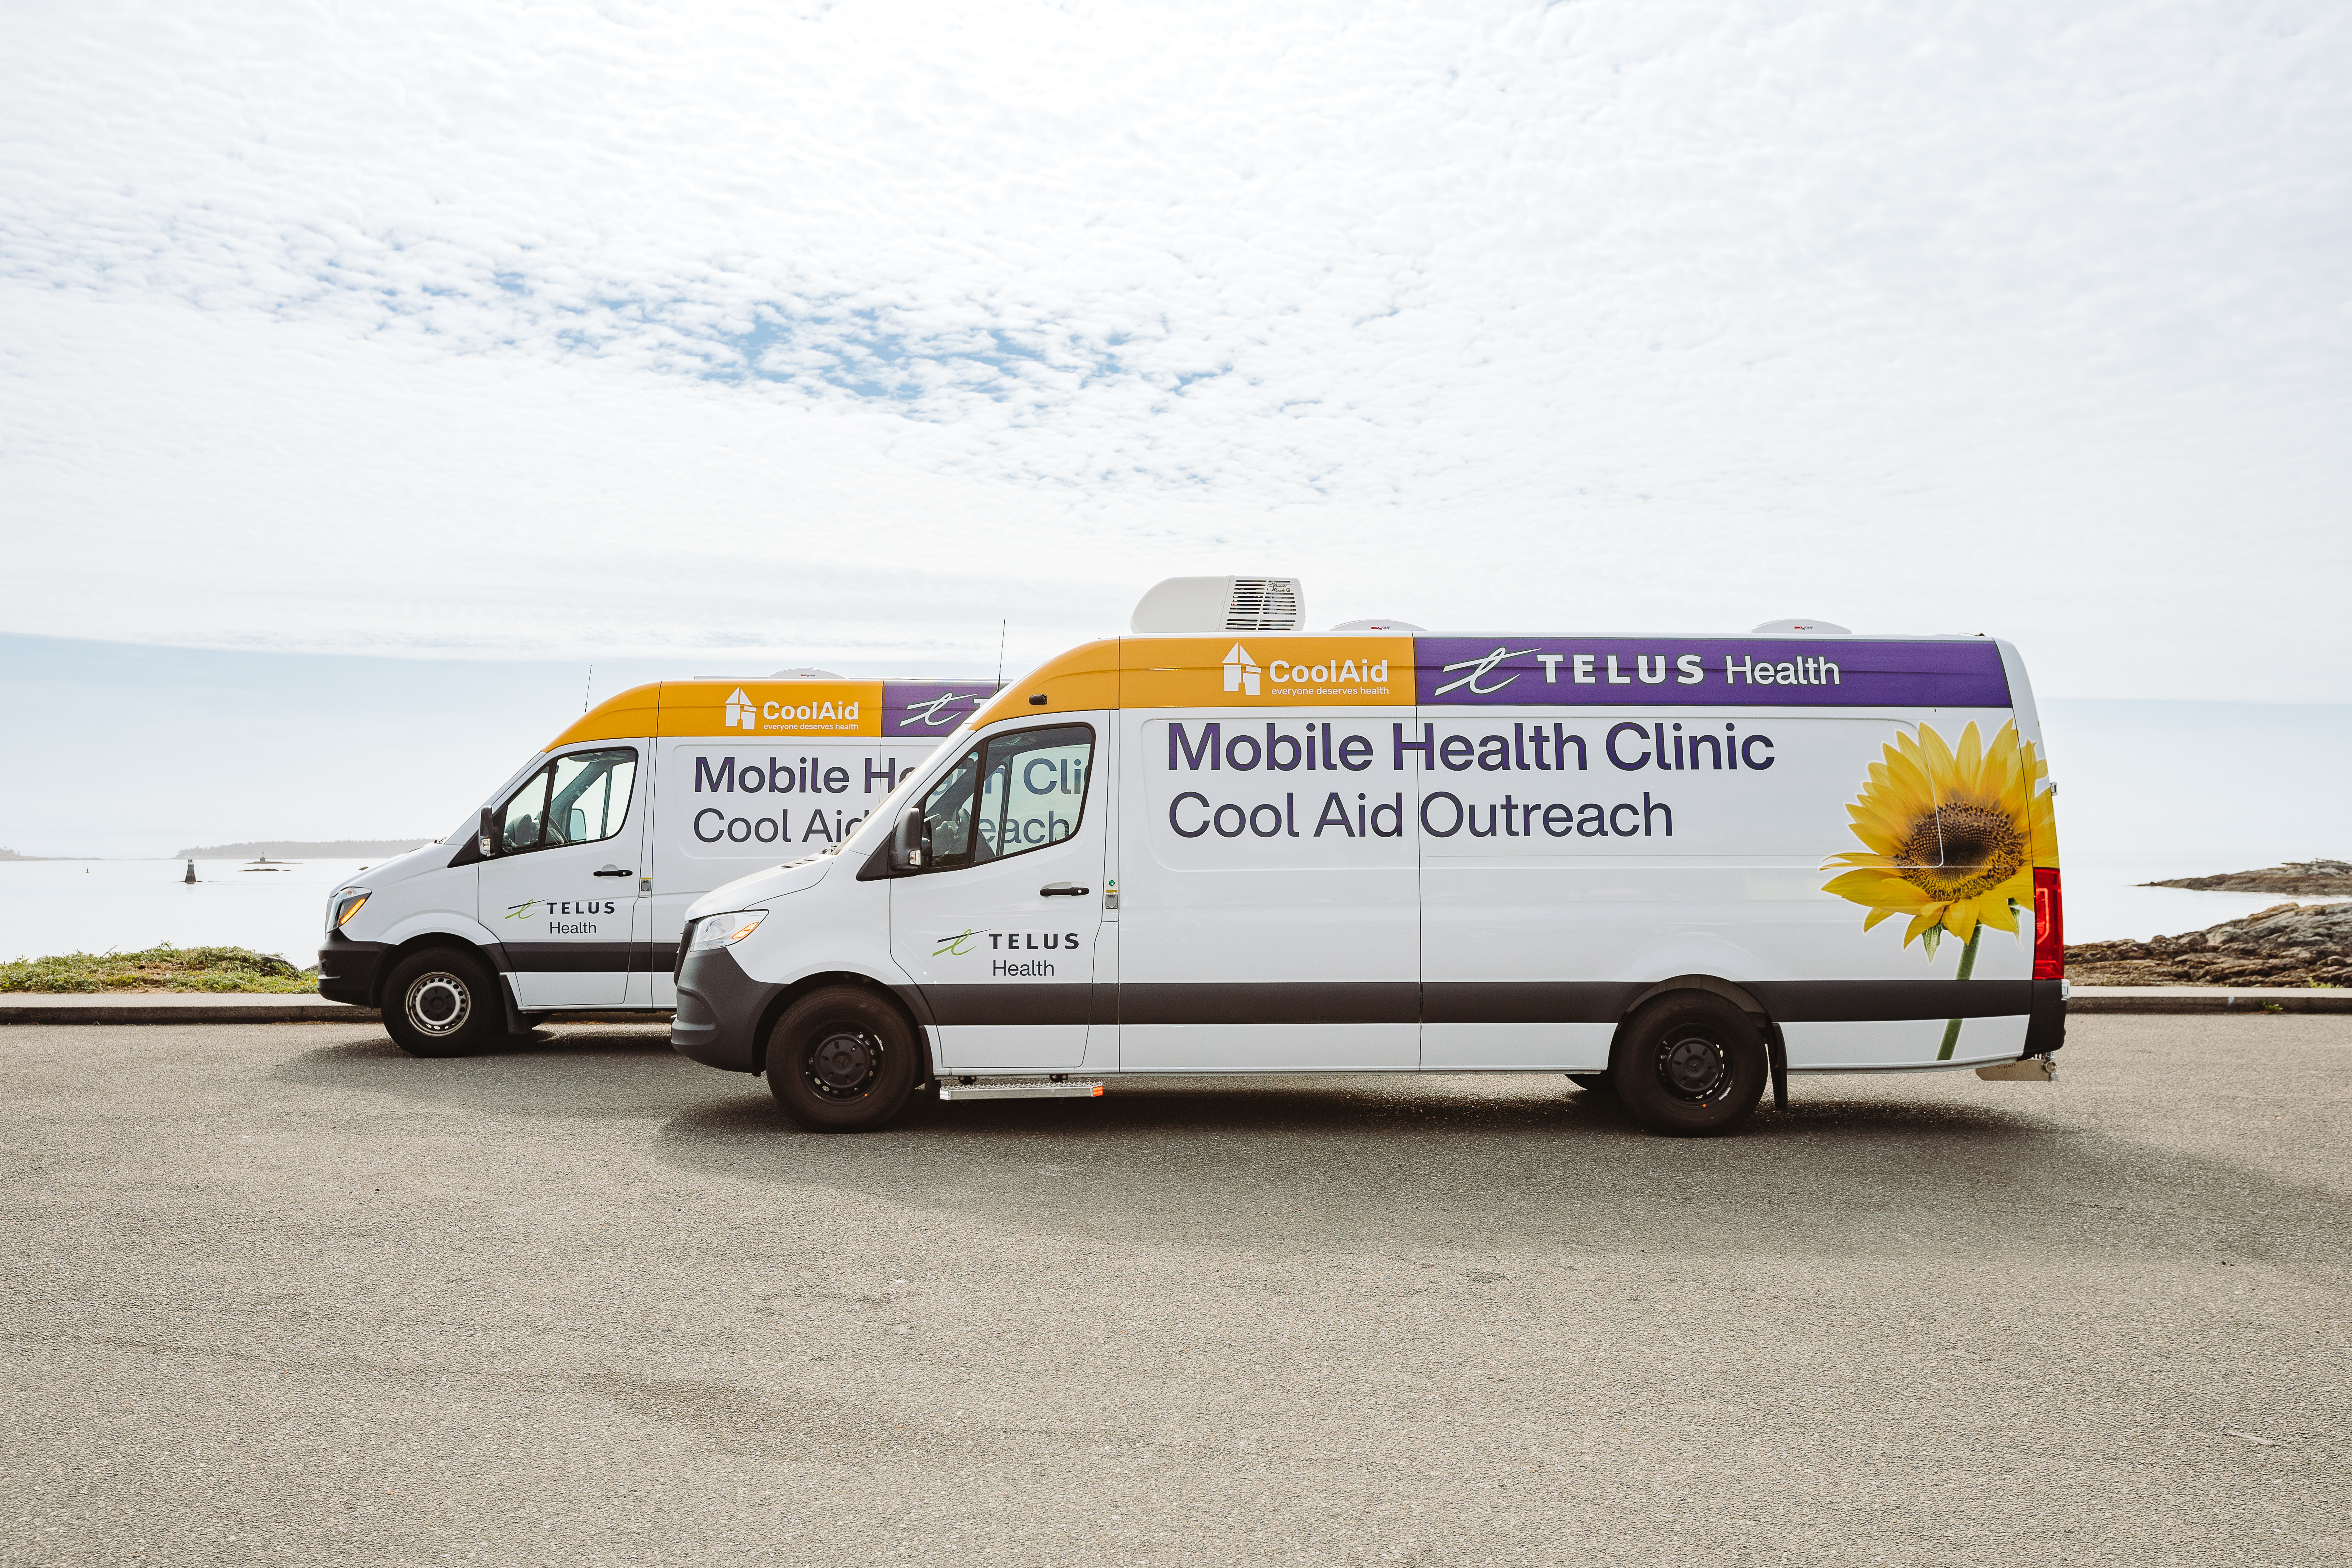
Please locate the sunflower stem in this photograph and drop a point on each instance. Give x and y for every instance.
(1968, 965)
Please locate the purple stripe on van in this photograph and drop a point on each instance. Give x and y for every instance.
(912, 709)
(1650, 672)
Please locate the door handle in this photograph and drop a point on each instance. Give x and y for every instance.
(1063, 891)
(612, 870)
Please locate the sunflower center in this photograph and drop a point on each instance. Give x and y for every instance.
(1961, 852)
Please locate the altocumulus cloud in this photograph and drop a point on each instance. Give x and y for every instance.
(845, 330)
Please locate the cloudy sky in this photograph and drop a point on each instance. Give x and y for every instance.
(839, 332)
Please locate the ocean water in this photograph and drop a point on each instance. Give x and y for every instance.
(66, 905)
(92, 905)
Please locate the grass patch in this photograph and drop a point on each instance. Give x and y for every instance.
(164, 968)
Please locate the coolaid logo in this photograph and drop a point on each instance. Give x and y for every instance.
(1349, 671)
(1241, 671)
(742, 713)
(807, 714)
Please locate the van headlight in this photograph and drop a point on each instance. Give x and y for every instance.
(724, 930)
(347, 902)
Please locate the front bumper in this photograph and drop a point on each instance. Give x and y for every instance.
(718, 1011)
(347, 971)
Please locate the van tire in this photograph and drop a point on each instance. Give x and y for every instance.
(443, 1002)
(1690, 1065)
(842, 1059)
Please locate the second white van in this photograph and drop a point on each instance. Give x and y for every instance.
(565, 890)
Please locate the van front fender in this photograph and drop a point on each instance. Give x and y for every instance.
(441, 922)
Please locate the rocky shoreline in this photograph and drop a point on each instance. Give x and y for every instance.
(2288, 945)
(2305, 879)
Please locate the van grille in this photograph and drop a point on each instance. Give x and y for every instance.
(1262, 605)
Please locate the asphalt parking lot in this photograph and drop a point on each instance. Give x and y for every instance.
(281, 1294)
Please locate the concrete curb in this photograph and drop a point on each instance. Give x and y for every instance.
(213, 1007)
(2207, 999)
(178, 1008)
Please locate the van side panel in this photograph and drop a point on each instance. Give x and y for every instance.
(1269, 914)
(1601, 812)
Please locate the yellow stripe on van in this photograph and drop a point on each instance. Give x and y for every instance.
(1246, 669)
(630, 716)
(1084, 678)
(743, 707)
(772, 708)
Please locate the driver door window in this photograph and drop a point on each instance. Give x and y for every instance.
(581, 798)
(1031, 789)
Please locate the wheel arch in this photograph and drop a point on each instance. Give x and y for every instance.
(1768, 1028)
(397, 952)
(907, 1008)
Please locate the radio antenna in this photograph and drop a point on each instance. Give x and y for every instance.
(1000, 650)
(587, 688)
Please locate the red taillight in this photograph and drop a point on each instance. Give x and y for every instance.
(2049, 925)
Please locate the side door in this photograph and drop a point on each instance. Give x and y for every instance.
(560, 887)
(1000, 925)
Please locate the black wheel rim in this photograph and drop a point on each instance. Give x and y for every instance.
(842, 1063)
(1692, 1066)
(438, 1004)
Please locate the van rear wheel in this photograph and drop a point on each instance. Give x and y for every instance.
(1689, 1066)
(442, 1003)
(842, 1060)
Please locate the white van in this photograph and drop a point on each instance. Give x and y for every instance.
(564, 893)
(1673, 868)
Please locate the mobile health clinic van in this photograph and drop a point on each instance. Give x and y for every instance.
(565, 891)
(1673, 868)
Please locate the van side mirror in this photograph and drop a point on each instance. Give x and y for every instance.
(907, 841)
(486, 832)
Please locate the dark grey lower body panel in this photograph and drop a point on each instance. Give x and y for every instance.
(589, 957)
(1464, 1002)
(1887, 1001)
(348, 970)
(719, 1012)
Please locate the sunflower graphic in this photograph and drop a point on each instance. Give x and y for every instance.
(1952, 837)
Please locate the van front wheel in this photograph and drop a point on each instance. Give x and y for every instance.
(842, 1060)
(1689, 1066)
(442, 1003)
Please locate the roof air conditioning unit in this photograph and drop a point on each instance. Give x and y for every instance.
(1221, 604)
(1826, 629)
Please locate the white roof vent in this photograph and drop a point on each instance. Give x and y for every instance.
(806, 675)
(1379, 623)
(1221, 604)
(1823, 628)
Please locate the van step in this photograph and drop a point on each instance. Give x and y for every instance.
(1020, 1088)
(2025, 1069)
